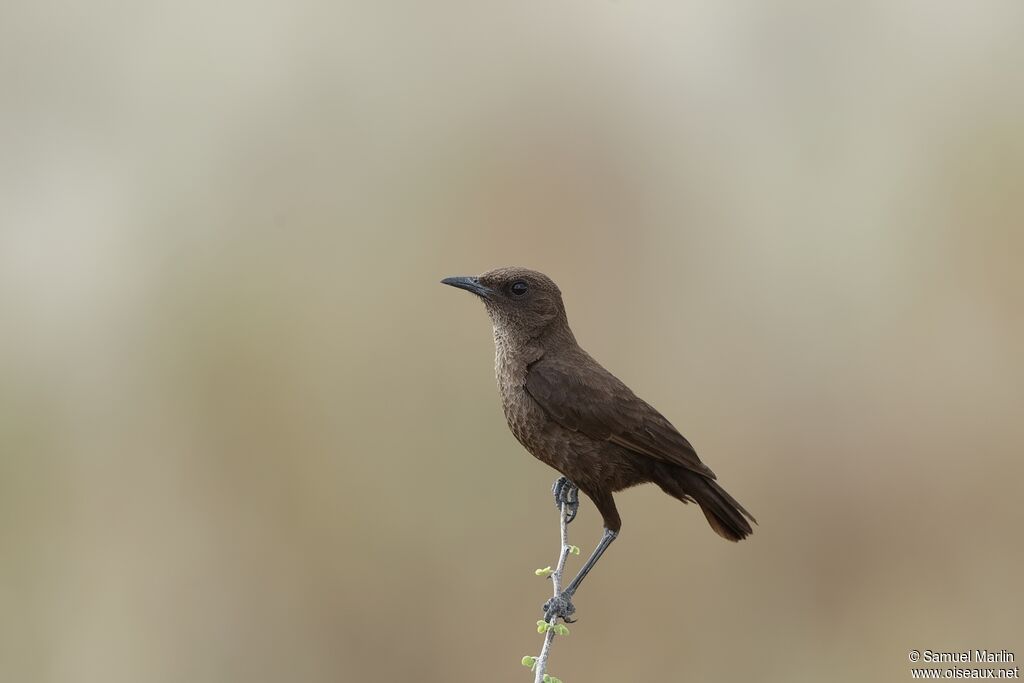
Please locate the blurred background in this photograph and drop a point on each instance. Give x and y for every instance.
(245, 435)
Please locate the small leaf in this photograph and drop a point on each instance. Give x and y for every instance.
(543, 572)
(561, 629)
(529, 661)
(546, 679)
(552, 679)
(542, 626)
(574, 549)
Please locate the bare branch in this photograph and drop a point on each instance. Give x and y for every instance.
(556, 585)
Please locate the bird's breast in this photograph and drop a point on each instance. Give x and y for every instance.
(526, 419)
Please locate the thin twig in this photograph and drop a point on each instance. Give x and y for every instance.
(556, 585)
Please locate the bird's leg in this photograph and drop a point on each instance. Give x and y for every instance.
(566, 492)
(561, 605)
(606, 540)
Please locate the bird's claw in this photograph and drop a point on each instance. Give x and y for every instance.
(566, 492)
(559, 607)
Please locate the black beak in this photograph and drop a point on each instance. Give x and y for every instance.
(470, 284)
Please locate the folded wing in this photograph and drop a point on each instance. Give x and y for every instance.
(584, 397)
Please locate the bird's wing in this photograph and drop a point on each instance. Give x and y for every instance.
(596, 403)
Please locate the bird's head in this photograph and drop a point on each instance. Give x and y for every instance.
(519, 300)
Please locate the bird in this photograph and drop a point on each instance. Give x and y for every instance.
(572, 414)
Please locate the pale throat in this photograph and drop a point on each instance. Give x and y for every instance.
(514, 350)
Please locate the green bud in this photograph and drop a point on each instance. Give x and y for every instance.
(543, 572)
(574, 549)
(529, 661)
(542, 627)
(561, 629)
(546, 679)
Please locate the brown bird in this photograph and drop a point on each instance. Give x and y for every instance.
(577, 417)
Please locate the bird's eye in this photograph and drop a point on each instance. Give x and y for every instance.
(518, 288)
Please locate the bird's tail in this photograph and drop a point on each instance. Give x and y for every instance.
(724, 513)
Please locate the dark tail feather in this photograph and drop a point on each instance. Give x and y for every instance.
(725, 515)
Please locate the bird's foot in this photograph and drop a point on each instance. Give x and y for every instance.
(566, 492)
(559, 607)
